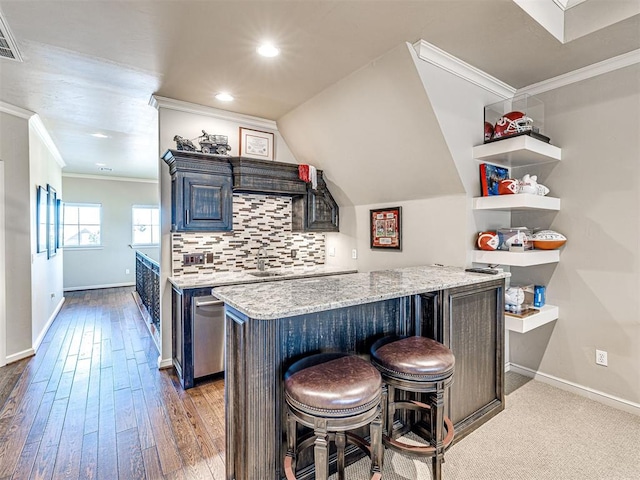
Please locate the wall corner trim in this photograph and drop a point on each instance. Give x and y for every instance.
(42, 132)
(15, 111)
(438, 57)
(111, 178)
(158, 102)
(590, 71)
(583, 391)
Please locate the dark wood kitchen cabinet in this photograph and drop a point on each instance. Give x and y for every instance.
(201, 192)
(316, 211)
(470, 321)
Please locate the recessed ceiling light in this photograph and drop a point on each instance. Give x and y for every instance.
(224, 97)
(268, 50)
(99, 135)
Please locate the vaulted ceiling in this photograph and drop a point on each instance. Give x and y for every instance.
(91, 66)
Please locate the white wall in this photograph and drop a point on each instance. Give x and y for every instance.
(188, 120)
(3, 300)
(107, 265)
(29, 159)
(596, 282)
(46, 273)
(14, 151)
(378, 140)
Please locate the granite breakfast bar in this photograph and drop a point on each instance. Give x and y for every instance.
(271, 325)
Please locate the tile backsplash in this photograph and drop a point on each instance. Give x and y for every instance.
(258, 220)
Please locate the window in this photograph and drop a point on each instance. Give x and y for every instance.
(146, 225)
(81, 224)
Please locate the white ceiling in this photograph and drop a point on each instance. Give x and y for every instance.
(91, 66)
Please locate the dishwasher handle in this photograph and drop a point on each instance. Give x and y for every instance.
(208, 303)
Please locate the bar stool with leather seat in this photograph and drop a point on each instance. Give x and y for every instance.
(422, 366)
(333, 393)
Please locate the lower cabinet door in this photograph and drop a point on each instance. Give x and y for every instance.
(470, 321)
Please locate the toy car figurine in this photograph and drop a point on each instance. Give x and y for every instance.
(217, 144)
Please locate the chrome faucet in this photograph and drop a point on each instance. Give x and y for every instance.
(262, 256)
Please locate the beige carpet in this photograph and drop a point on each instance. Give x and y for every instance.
(543, 433)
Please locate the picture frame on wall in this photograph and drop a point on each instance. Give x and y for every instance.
(386, 228)
(59, 223)
(52, 231)
(256, 144)
(42, 203)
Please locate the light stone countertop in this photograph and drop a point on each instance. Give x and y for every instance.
(287, 298)
(217, 279)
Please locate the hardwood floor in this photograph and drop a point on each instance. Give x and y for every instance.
(93, 405)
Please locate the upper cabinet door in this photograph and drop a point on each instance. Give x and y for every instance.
(207, 203)
(322, 211)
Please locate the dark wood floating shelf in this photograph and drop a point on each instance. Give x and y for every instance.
(203, 187)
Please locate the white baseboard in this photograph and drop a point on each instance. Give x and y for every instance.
(583, 391)
(95, 287)
(165, 363)
(36, 344)
(29, 352)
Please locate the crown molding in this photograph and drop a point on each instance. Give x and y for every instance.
(15, 111)
(434, 55)
(109, 178)
(600, 68)
(42, 132)
(158, 102)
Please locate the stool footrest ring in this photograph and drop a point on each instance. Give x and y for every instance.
(421, 450)
(307, 442)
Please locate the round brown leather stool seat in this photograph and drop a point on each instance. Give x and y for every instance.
(332, 393)
(424, 367)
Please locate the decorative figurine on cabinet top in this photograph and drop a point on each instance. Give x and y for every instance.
(184, 144)
(215, 144)
(218, 144)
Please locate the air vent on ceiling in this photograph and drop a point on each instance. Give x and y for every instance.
(8, 45)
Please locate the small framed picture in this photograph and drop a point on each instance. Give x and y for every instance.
(256, 144)
(490, 178)
(52, 222)
(42, 204)
(386, 228)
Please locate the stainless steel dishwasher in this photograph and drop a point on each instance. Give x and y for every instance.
(208, 336)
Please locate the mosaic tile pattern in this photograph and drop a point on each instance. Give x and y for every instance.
(258, 220)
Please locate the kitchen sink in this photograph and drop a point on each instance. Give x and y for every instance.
(265, 274)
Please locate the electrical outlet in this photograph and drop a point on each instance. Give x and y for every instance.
(294, 253)
(126, 271)
(601, 357)
(193, 259)
(354, 253)
(332, 251)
